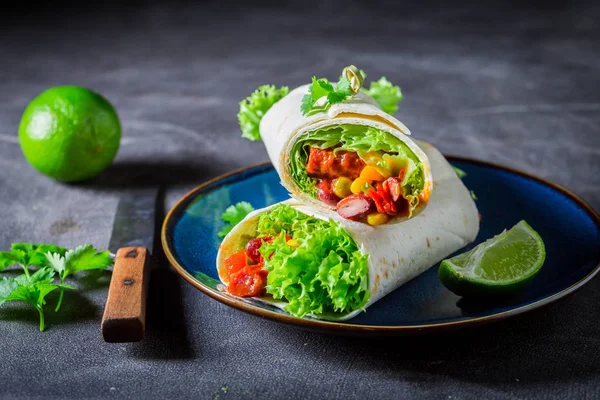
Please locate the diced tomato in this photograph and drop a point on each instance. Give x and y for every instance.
(236, 262)
(372, 193)
(383, 200)
(394, 187)
(388, 203)
(250, 281)
(324, 164)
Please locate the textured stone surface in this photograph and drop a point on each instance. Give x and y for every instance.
(515, 86)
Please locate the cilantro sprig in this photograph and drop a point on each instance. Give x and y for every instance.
(321, 88)
(82, 258)
(322, 92)
(233, 215)
(26, 254)
(51, 262)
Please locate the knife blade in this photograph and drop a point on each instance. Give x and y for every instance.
(124, 318)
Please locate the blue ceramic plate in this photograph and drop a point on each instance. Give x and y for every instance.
(569, 227)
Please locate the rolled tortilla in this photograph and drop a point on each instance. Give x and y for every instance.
(398, 251)
(284, 124)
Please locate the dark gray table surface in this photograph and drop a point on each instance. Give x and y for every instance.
(515, 85)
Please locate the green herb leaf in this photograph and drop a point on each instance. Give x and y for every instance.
(459, 172)
(319, 88)
(7, 286)
(45, 274)
(82, 258)
(56, 262)
(8, 258)
(85, 258)
(233, 215)
(343, 86)
(51, 260)
(28, 254)
(32, 290)
(472, 193)
(336, 97)
(254, 107)
(385, 94)
(323, 88)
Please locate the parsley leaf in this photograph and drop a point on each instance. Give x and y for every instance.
(233, 215)
(28, 254)
(51, 260)
(82, 258)
(31, 289)
(343, 86)
(459, 172)
(254, 107)
(323, 88)
(318, 89)
(385, 94)
(473, 196)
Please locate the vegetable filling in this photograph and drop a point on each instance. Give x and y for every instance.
(367, 174)
(314, 265)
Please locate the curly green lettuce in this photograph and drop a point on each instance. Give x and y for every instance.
(385, 94)
(254, 107)
(357, 138)
(321, 270)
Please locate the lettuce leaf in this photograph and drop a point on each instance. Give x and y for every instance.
(356, 138)
(323, 271)
(386, 94)
(254, 107)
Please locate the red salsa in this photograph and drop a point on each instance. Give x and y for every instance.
(359, 191)
(245, 269)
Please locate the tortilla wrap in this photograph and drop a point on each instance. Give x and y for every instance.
(284, 124)
(398, 251)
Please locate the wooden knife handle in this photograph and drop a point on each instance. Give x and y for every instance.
(124, 317)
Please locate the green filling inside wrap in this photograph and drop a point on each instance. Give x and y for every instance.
(357, 138)
(320, 270)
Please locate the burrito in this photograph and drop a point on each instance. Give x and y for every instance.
(351, 157)
(312, 262)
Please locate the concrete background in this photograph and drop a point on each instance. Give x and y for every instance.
(517, 84)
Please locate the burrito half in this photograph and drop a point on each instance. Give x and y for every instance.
(353, 157)
(315, 263)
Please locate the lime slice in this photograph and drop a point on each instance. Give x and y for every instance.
(501, 265)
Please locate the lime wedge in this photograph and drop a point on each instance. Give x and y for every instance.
(501, 265)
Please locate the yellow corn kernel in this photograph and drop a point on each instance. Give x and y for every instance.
(293, 243)
(341, 187)
(377, 219)
(357, 185)
(370, 173)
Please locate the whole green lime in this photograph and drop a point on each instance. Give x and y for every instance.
(70, 133)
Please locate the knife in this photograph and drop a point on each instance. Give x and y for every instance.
(124, 318)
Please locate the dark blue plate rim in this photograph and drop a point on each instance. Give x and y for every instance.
(342, 327)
